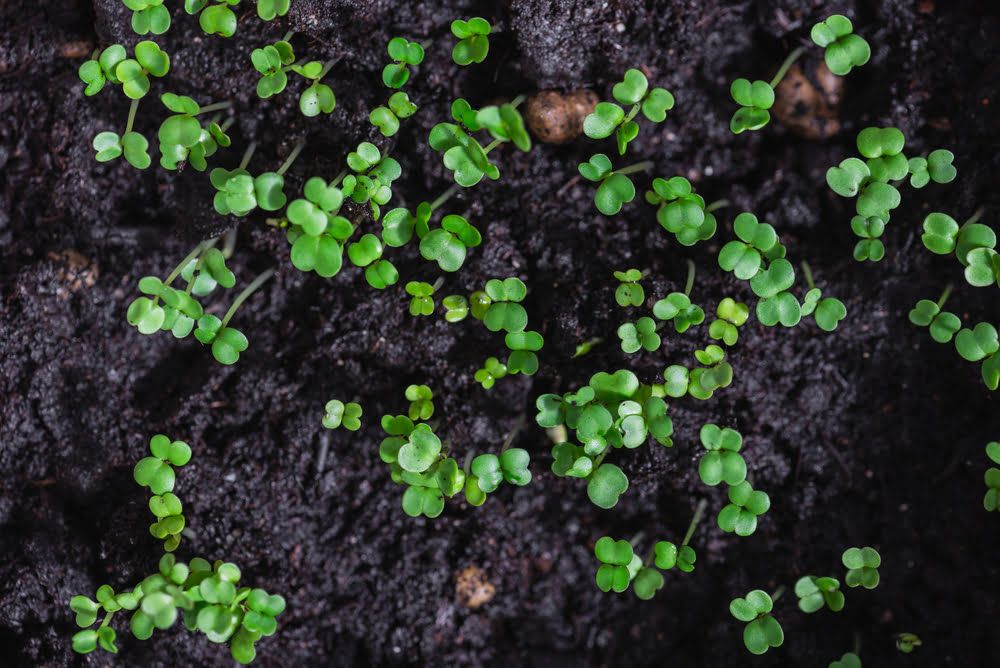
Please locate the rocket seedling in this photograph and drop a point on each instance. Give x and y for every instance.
(614, 187)
(826, 311)
(683, 212)
(942, 325)
(677, 307)
(862, 565)
(762, 630)
(632, 91)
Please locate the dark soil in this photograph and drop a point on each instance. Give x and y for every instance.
(872, 435)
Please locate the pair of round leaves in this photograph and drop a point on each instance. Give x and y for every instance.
(634, 89)
(157, 472)
(217, 19)
(449, 244)
(677, 308)
(782, 308)
(510, 466)
(85, 642)
(421, 398)
(317, 99)
(386, 119)
(474, 43)
(848, 178)
(843, 49)
(427, 501)
(227, 342)
(492, 371)
(614, 189)
(270, 62)
(991, 501)
(943, 236)
(338, 414)
(668, 555)
(149, 16)
(619, 564)
(826, 311)
(732, 315)
(420, 451)
(109, 146)
(639, 335)
(862, 567)
(506, 124)
(745, 505)
(943, 325)
(629, 292)
(403, 53)
(745, 257)
(870, 230)
(268, 10)
(605, 485)
(463, 155)
(762, 631)
(815, 592)
(754, 98)
(936, 167)
(722, 462)
(977, 343)
(523, 346)
(505, 311)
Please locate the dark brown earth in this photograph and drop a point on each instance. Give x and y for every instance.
(872, 435)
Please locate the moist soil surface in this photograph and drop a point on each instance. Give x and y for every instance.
(870, 435)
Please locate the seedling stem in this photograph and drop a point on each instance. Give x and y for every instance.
(975, 216)
(788, 62)
(437, 284)
(291, 158)
(944, 296)
(288, 35)
(637, 167)
(190, 256)
(247, 291)
(248, 154)
(444, 197)
(777, 594)
(808, 274)
(717, 204)
(131, 116)
(218, 106)
(698, 513)
(690, 278)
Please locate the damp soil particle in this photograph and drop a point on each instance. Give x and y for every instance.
(872, 435)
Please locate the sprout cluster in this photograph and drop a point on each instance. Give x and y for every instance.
(473, 40)
(862, 567)
(395, 75)
(614, 410)
(874, 178)
(338, 414)
(274, 61)
(157, 473)
(681, 211)
(699, 382)
(166, 308)
(979, 344)
(722, 462)
(418, 459)
(499, 308)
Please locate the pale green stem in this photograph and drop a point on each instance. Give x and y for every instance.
(218, 106)
(777, 594)
(338, 178)
(444, 197)
(190, 256)
(690, 279)
(944, 296)
(975, 216)
(518, 100)
(327, 66)
(288, 35)
(243, 296)
(291, 158)
(808, 274)
(637, 167)
(198, 265)
(698, 513)
(788, 62)
(131, 116)
(512, 434)
(229, 243)
(492, 145)
(248, 154)
(717, 204)
(226, 124)
(107, 619)
(437, 284)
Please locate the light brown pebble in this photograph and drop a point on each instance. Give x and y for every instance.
(809, 106)
(557, 118)
(472, 588)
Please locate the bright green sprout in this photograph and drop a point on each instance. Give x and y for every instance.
(826, 311)
(372, 179)
(907, 642)
(619, 564)
(403, 54)
(981, 344)
(399, 225)
(492, 371)
(843, 50)
(421, 400)
(523, 346)
(615, 187)
(585, 347)
(722, 462)
(973, 244)
(268, 10)
(629, 292)
(633, 90)
(745, 506)
(681, 211)
(870, 231)
(757, 97)
(762, 631)
(815, 592)
(422, 302)
(456, 308)
(169, 520)
(317, 98)
(448, 245)
(848, 660)
(777, 304)
(505, 311)
(227, 342)
(991, 501)
(479, 304)
(639, 335)
(757, 242)
(678, 308)
(157, 471)
(273, 63)
(238, 192)
(943, 325)
(936, 167)
(109, 146)
(183, 139)
(148, 16)
(132, 74)
(474, 43)
(612, 411)
(214, 16)
(701, 382)
(338, 414)
(317, 233)
(731, 316)
(386, 119)
(862, 567)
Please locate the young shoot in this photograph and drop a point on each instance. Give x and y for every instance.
(816, 592)
(133, 145)
(731, 315)
(214, 16)
(907, 642)
(473, 40)
(722, 461)
(316, 231)
(826, 311)
(981, 344)
(148, 16)
(862, 567)
(492, 371)
(422, 296)
(942, 325)
(869, 230)
(972, 243)
(317, 98)
(640, 335)
(701, 382)
(183, 138)
(523, 347)
(848, 660)
(762, 631)
(678, 308)
(268, 10)
(404, 54)
(273, 62)
(132, 74)
(614, 188)
(228, 342)
(683, 212)
(991, 501)
(629, 292)
(372, 177)
(842, 49)
(757, 97)
(776, 304)
(632, 91)
(505, 312)
(387, 118)
(238, 192)
(745, 506)
(757, 243)
(338, 414)
(421, 399)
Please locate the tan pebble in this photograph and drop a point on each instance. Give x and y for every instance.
(472, 588)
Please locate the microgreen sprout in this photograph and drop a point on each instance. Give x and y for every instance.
(907, 642)
(762, 631)
(214, 16)
(273, 62)
(722, 462)
(268, 10)
(316, 231)
(973, 244)
(338, 414)
(991, 501)
(505, 311)
(403, 53)
(386, 118)
(612, 411)
(373, 174)
(639, 335)
(826, 311)
(745, 505)
(757, 97)
(815, 592)
(182, 137)
(757, 242)
(474, 42)
(422, 302)
(683, 212)
(132, 74)
(317, 98)
(134, 146)
(776, 304)
(523, 346)
(238, 192)
(157, 473)
(843, 50)
(870, 230)
(981, 344)
(148, 16)
(629, 292)
(228, 342)
(701, 382)
(585, 347)
(448, 245)
(633, 90)
(942, 325)
(678, 308)
(862, 567)
(848, 660)
(615, 187)
(731, 315)
(456, 308)
(491, 371)
(421, 400)
(619, 564)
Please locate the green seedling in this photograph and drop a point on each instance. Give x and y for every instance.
(991, 501)
(400, 225)
(762, 631)
(228, 342)
(745, 506)
(273, 62)
(862, 567)
(826, 311)
(701, 382)
(170, 520)
(492, 371)
(214, 16)
(776, 304)
(387, 118)
(157, 471)
(523, 347)
(505, 312)
(462, 153)
(132, 74)
(422, 296)
(133, 145)
(757, 243)
(816, 592)
(183, 139)
(681, 211)
(678, 308)
(619, 564)
(448, 245)
(936, 167)
(421, 400)
(317, 98)
(404, 54)
(372, 177)
(585, 347)
(639, 335)
(456, 308)
(238, 192)
(148, 16)
(474, 42)
(731, 315)
(907, 642)
(870, 230)
(848, 660)
(629, 292)
(981, 344)
(943, 325)
(842, 49)
(973, 244)
(632, 91)
(757, 97)
(316, 232)
(615, 187)
(268, 10)
(338, 414)
(722, 462)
